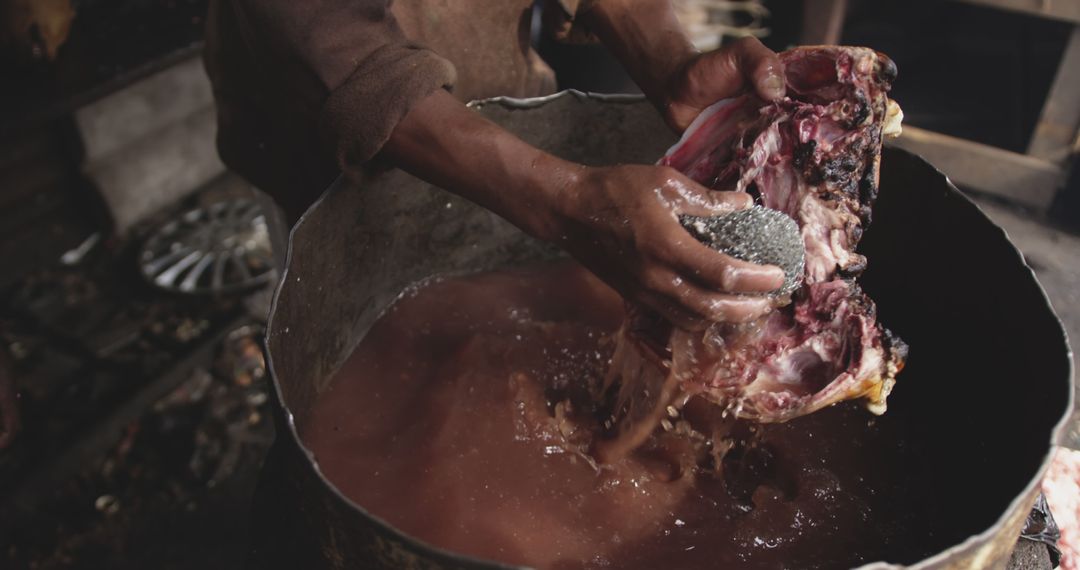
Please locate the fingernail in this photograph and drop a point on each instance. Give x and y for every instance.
(773, 86)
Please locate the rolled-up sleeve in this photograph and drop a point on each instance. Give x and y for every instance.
(369, 73)
(361, 114)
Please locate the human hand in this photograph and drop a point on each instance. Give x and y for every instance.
(622, 223)
(647, 37)
(705, 78)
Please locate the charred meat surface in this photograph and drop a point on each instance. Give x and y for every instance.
(814, 155)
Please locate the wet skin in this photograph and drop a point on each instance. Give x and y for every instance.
(621, 221)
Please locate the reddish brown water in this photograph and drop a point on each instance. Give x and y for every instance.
(463, 419)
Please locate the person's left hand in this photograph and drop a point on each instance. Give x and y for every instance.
(705, 78)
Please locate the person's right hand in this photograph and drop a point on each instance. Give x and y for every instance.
(622, 223)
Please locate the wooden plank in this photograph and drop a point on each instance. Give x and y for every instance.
(1023, 179)
(1068, 10)
(823, 21)
(1058, 126)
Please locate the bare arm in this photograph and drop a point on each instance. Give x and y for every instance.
(620, 222)
(385, 95)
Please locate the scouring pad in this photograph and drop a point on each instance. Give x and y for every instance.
(758, 235)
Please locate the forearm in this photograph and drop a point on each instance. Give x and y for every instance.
(445, 143)
(621, 222)
(647, 39)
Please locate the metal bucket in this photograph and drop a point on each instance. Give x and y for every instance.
(985, 392)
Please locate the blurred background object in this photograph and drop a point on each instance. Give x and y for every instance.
(710, 21)
(219, 247)
(36, 28)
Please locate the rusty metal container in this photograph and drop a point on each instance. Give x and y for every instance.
(985, 393)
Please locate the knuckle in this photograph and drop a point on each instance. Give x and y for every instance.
(729, 277)
(749, 44)
(665, 174)
(712, 308)
(720, 310)
(655, 279)
(684, 258)
(651, 249)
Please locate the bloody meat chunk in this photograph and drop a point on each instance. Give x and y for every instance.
(814, 155)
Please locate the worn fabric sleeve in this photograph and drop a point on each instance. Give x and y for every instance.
(370, 72)
(361, 114)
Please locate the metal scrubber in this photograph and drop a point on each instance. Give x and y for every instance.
(758, 235)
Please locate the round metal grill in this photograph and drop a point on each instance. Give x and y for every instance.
(219, 247)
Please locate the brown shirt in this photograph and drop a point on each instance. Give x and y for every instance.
(308, 88)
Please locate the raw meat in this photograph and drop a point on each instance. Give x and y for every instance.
(1062, 489)
(814, 155)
